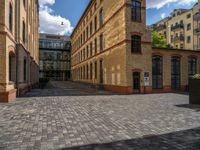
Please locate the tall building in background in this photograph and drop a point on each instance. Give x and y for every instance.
(55, 54)
(19, 48)
(182, 28)
(112, 49)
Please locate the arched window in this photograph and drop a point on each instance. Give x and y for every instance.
(192, 67)
(10, 17)
(136, 44)
(175, 72)
(157, 72)
(136, 10)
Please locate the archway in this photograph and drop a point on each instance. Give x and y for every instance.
(12, 66)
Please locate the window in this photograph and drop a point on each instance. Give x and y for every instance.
(188, 16)
(11, 18)
(175, 73)
(157, 70)
(83, 72)
(182, 46)
(87, 34)
(136, 10)
(87, 70)
(189, 26)
(101, 17)
(101, 42)
(91, 50)
(91, 28)
(24, 69)
(91, 71)
(95, 45)
(95, 6)
(95, 23)
(136, 44)
(188, 39)
(95, 69)
(84, 36)
(192, 67)
(172, 38)
(23, 32)
(87, 51)
(24, 2)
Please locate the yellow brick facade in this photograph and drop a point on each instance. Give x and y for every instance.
(19, 50)
(181, 28)
(116, 67)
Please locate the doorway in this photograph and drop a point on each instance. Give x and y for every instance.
(136, 82)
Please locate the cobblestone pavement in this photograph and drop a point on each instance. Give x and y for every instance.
(58, 118)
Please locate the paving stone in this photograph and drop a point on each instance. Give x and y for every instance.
(64, 117)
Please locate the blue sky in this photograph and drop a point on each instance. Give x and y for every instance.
(53, 12)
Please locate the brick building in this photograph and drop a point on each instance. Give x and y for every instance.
(19, 50)
(111, 48)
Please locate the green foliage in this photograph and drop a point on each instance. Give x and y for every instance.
(196, 76)
(159, 41)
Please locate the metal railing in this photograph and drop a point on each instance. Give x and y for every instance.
(177, 26)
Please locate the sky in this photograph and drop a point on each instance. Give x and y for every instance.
(68, 12)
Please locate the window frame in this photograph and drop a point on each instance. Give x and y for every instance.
(136, 44)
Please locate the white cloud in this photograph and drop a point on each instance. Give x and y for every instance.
(163, 15)
(50, 23)
(161, 3)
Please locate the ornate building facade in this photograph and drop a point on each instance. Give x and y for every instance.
(111, 48)
(19, 48)
(182, 28)
(55, 56)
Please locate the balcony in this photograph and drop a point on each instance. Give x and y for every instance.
(196, 17)
(178, 38)
(197, 30)
(197, 47)
(160, 27)
(177, 26)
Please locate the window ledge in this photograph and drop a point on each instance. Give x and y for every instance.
(137, 53)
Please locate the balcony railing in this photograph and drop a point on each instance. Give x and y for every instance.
(177, 26)
(178, 38)
(196, 17)
(197, 47)
(197, 31)
(160, 27)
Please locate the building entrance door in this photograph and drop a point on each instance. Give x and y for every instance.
(136, 82)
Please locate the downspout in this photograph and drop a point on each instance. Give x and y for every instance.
(17, 30)
(17, 68)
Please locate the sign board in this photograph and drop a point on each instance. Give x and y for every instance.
(146, 79)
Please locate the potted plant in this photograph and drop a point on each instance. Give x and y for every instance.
(194, 89)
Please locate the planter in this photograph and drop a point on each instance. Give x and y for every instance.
(194, 90)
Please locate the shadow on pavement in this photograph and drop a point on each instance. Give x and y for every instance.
(190, 106)
(181, 140)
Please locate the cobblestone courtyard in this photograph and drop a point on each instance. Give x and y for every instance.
(72, 117)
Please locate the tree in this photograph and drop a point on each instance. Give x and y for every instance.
(159, 41)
